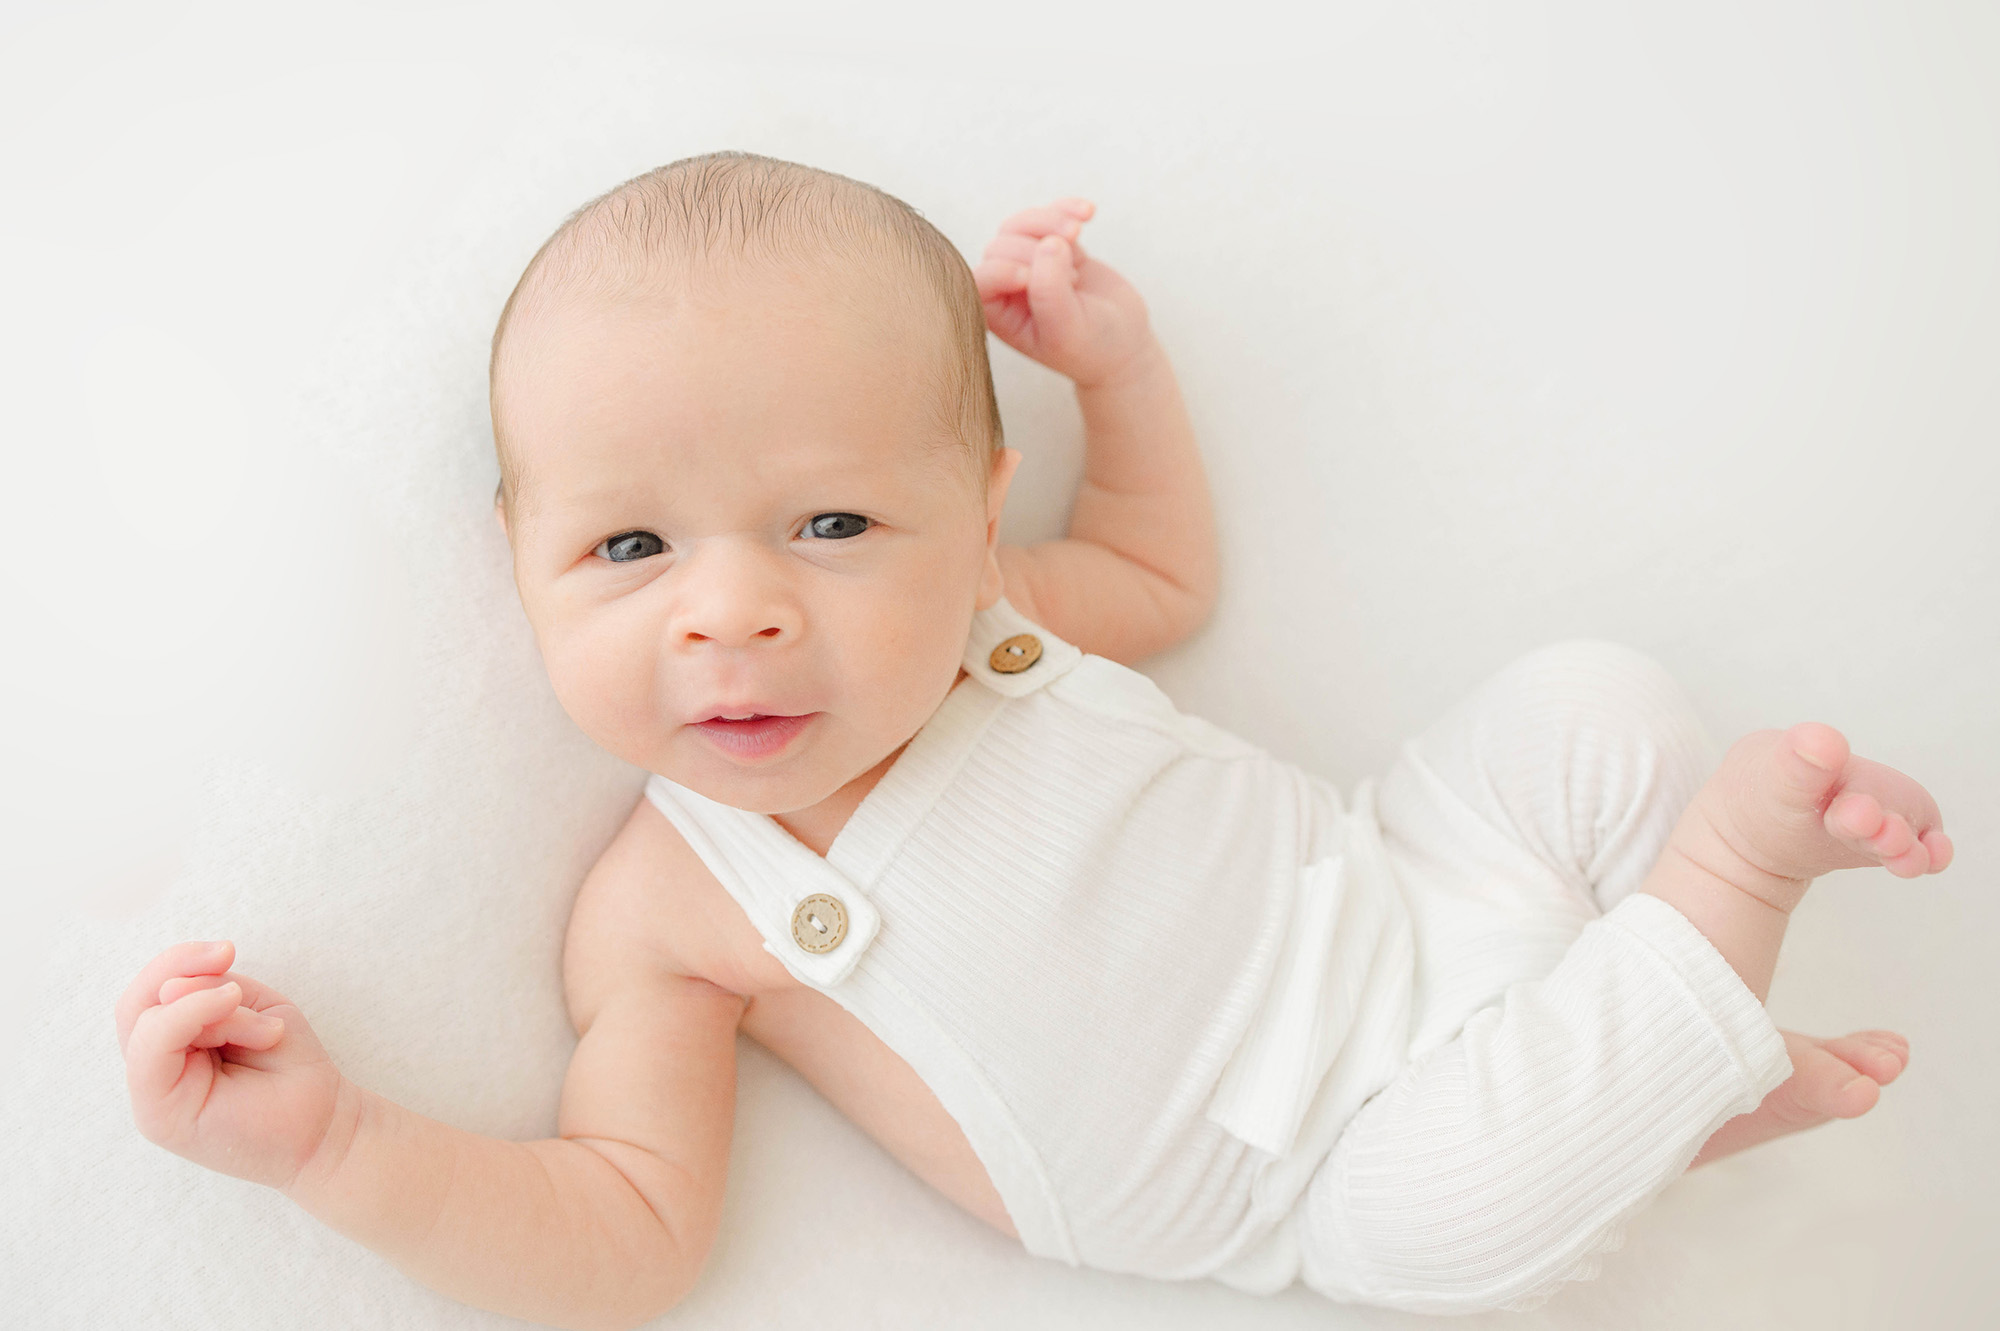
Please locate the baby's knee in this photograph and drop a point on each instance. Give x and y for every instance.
(1594, 676)
(1595, 695)
(1583, 753)
(1441, 1245)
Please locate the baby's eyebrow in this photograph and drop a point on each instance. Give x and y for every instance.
(607, 495)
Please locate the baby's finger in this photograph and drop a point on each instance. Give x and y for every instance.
(1007, 314)
(245, 1028)
(178, 985)
(1052, 293)
(257, 996)
(1011, 246)
(999, 277)
(1039, 222)
(180, 959)
(156, 1052)
(1020, 249)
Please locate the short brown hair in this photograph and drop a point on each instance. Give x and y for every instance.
(739, 205)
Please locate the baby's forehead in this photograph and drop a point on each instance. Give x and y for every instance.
(613, 252)
(784, 324)
(748, 240)
(834, 288)
(765, 377)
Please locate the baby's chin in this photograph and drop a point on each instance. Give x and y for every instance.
(792, 782)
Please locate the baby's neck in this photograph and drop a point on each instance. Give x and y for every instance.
(816, 825)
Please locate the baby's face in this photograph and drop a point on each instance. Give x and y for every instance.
(738, 504)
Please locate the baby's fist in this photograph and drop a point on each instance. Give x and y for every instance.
(224, 1070)
(1053, 303)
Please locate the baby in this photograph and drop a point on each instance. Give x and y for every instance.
(1119, 984)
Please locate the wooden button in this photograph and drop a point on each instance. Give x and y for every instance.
(819, 923)
(1016, 654)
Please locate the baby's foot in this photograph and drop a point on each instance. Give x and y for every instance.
(1789, 805)
(1837, 1078)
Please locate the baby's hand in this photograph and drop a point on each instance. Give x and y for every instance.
(1051, 302)
(222, 1069)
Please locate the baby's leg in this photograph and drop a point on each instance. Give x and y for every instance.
(1502, 1163)
(1565, 1067)
(1550, 793)
(1512, 1151)
(1783, 808)
(1539, 801)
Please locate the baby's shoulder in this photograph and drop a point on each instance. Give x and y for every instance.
(1112, 694)
(649, 904)
(1046, 680)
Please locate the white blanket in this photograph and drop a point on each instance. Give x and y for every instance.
(1497, 329)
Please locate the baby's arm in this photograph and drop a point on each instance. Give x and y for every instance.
(1137, 571)
(604, 1226)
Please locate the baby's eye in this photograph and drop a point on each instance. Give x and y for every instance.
(837, 526)
(629, 546)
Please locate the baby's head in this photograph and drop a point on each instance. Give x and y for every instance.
(750, 464)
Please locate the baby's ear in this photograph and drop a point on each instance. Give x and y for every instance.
(1004, 466)
(992, 582)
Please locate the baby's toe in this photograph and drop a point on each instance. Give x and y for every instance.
(1939, 846)
(1819, 744)
(1912, 863)
(1890, 1038)
(1898, 848)
(1810, 758)
(1880, 1056)
(1854, 817)
(1895, 838)
(1855, 1098)
(1857, 820)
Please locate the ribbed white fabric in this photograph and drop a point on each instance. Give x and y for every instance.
(1066, 901)
(1156, 975)
(1564, 1068)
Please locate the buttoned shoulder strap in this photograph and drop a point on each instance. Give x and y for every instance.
(814, 918)
(1012, 654)
(815, 913)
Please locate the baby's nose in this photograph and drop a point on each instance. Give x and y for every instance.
(729, 638)
(734, 599)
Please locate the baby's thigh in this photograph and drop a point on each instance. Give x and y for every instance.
(1537, 802)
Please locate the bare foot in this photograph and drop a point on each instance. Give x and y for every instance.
(1836, 1078)
(1787, 806)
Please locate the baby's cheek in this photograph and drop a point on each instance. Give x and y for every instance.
(607, 690)
(905, 666)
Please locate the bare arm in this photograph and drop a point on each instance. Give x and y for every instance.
(605, 1225)
(1137, 571)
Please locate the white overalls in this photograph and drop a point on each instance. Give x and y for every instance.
(1197, 1019)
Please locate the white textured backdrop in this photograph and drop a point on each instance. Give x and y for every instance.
(1499, 325)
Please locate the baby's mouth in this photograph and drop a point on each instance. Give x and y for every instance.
(755, 736)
